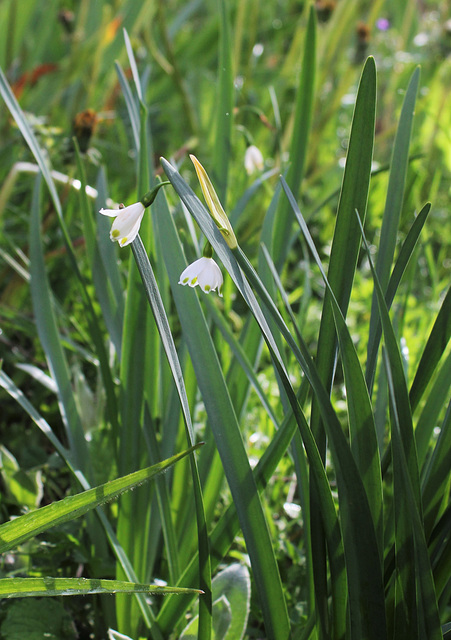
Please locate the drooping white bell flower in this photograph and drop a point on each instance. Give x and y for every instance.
(205, 273)
(253, 160)
(125, 228)
(128, 219)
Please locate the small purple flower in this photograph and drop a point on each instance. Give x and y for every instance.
(383, 24)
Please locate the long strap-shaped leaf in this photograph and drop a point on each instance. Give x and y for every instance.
(21, 587)
(228, 525)
(227, 434)
(361, 535)
(30, 524)
(342, 264)
(224, 102)
(415, 602)
(346, 240)
(361, 420)
(49, 336)
(435, 346)
(392, 213)
(9, 386)
(161, 320)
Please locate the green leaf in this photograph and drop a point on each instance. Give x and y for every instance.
(50, 339)
(436, 479)
(392, 213)
(342, 264)
(361, 420)
(223, 534)
(7, 384)
(226, 430)
(231, 604)
(17, 531)
(37, 619)
(433, 351)
(415, 602)
(229, 259)
(402, 261)
(22, 587)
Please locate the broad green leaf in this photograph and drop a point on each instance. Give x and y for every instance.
(35, 619)
(231, 604)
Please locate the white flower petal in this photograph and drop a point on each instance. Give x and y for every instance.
(205, 273)
(125, 227)
(253, 159)
(112, 213)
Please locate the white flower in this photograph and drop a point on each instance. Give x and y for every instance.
(205, 273)
(126, 226)
(253, 159)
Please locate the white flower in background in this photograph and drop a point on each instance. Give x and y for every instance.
(205, 273)
(126, 226)
(253, 159)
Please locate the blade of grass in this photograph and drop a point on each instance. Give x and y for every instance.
(23, 587)
(433, 351)
(22, 528)
(49, 337)
(436, 478)
(392, 213)
(156, 305)
(415, 601)
(362, 428)
(118, 551)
